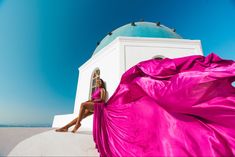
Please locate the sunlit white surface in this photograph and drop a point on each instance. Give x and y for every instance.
(51, 143)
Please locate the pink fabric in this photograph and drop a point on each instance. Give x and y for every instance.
(96, 94)
(170, 107)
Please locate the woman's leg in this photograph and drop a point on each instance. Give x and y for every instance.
(86, 114)
(86, 105)
(73, 122)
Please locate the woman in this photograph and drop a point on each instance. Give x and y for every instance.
(87, 108)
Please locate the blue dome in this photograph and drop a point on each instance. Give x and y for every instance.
(140, 29)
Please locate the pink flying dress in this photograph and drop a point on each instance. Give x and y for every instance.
(170, 107)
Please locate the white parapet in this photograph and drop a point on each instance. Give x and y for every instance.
(61, 120)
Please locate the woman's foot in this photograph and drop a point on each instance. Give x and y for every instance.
(63, 129)
(76, 127)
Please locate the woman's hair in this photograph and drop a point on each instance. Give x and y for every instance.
(103, 84)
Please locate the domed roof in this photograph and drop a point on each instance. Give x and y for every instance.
(138, 29)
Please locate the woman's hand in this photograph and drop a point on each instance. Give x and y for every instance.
(90, 100)
(97, 100)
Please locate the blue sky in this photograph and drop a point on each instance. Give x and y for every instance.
(43, 42)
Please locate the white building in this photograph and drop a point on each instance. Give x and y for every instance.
(120, 50)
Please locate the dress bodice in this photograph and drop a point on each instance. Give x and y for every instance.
(96, 94)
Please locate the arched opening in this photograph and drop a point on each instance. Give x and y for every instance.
(158, 57)
(94, 76)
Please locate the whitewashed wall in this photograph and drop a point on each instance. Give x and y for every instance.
(108, 61)
(135, 50)
(117, 57)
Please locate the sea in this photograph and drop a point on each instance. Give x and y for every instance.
(25, 125)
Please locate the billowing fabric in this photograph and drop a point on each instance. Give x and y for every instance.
(170, 107)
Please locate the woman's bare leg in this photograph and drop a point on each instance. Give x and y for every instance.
(87, 105)
(73, 122)
(87, 113)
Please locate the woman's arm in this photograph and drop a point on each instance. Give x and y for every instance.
(103, 97)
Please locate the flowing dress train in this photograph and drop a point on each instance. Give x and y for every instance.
(170, 107)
